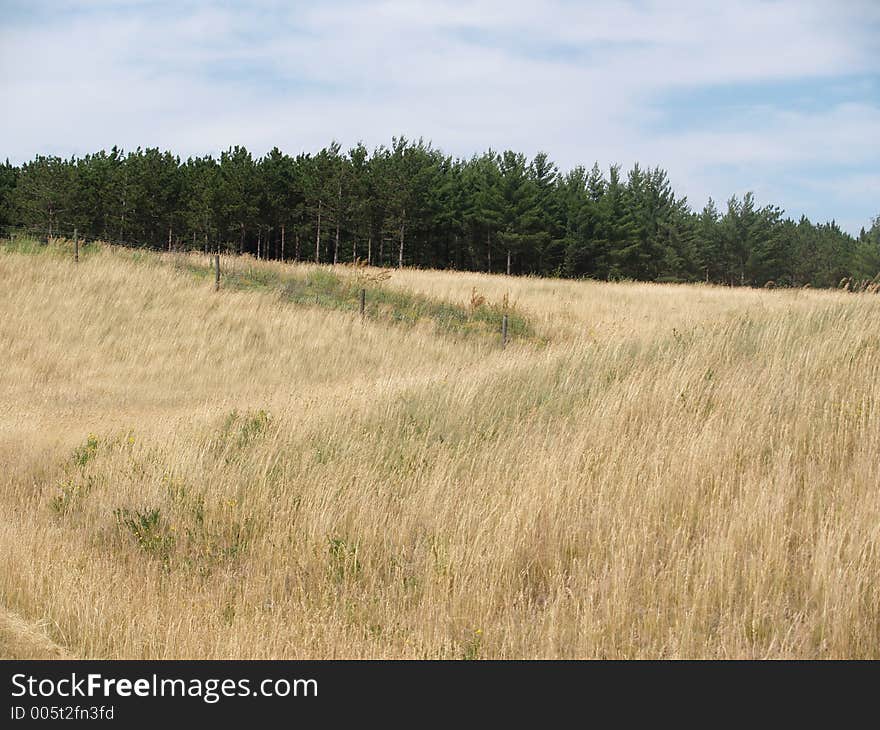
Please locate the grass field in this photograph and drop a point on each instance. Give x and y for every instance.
(645, 471)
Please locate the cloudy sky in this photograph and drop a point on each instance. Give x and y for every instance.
(780, 97)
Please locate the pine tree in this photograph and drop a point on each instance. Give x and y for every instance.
(409, 204)
(709, 245)
(237, 194)
(551, 244)
(485, 209)
(200, 204)
(8, 181)
(284, 198)
(867, 252)
(519, 213)
(43, 193)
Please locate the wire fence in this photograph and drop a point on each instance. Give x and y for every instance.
(63, 231)
(44, 236)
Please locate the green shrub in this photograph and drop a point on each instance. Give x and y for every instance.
(82, 455)
(148, 531)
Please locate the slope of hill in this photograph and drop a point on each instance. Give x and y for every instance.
(644, 471)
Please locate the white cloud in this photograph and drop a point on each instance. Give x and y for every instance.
(582, 81)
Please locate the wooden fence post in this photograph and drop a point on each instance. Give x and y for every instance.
(75, 246)
(504, 331)
(217, 272)
(363, 303)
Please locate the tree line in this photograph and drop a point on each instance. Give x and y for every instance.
(409, 204)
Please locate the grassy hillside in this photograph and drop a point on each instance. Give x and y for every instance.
(645, 470)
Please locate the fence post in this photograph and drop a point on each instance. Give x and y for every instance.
(217, 272)
(363, 303)
(75, 246)
(504, 331)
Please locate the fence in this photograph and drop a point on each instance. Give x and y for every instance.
(44, 236)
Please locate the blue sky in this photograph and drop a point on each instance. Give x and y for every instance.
(779, 97)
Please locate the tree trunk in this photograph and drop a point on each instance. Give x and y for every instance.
(338, 209)
(508, 262)
(370, 250)
(122, 222)
(489, 249)
(259, 240)
(354, 250)
(169, 238)
(318, 237)
(282, 243)
(400, 253)
(241, 240)
(296, 248)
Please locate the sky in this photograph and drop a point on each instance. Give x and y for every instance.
(778, 97)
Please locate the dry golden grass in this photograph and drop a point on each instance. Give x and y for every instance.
(683, 471)
(21, 640)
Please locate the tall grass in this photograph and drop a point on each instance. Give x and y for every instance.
(660, 471)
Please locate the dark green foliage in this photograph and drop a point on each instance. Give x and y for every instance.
(8, 182)
(867, 256)
(238, 196)
(411, 205)
(43, 193)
